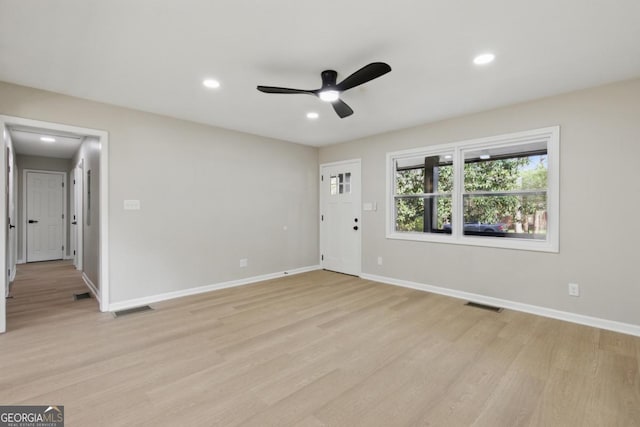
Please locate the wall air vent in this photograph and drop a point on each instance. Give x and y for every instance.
(484, 306)
(133, 310)
(83, 295)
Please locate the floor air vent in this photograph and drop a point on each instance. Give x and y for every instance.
(484, 306)
(131, 311)
(83, 295)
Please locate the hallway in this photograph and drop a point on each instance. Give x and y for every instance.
(43, 293)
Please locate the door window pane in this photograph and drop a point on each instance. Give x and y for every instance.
(334, 185)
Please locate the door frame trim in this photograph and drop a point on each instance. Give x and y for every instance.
(320, 196)
(24, 209)
(103, 137)
(78, 200)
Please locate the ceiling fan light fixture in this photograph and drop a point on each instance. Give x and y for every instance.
(329, 95)
(330, 90)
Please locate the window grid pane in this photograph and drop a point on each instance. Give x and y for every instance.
(505, 192)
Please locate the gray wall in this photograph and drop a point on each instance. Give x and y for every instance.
(89, 153)
(45, 164)
(599, 196)
(209, 196)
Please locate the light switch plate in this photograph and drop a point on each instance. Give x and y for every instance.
(369, 206)
(132, 205)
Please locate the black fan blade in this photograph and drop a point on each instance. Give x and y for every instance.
(272, 89)
(342, 109)
(363, 75)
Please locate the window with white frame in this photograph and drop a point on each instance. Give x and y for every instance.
(500, 191)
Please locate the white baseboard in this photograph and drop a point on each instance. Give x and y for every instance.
(611, 325)
(67, 257)
(92, 287)
(20, 261)
(137, 302)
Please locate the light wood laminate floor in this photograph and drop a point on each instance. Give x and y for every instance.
(313, 349)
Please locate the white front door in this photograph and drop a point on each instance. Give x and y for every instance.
(340, 221)
(44, 216)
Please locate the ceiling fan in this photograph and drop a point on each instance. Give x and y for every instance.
(330, 90)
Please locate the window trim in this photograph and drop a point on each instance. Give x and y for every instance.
(551, 135)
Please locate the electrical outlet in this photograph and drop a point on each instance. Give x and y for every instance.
(244, 262)
(574, 289)
(379, 260)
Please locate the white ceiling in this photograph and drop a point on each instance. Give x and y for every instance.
(152, 55)
(26, 141)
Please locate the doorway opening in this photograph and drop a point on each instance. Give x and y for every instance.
(48, 172)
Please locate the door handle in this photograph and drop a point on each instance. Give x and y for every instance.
(11, 226)
(355, 227)
(32, 221)
(74, 222)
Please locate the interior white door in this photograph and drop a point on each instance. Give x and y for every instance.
(76, 217)
(340, 221)
(44, 216)
(12, 215)
(4, 219)
(10, 224)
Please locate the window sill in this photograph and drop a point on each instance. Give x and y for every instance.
(488, 242)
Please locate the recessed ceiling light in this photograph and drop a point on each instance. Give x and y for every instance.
(47, 139)
(329, 95)
(484, 59)
(211, 83)
(312, 115)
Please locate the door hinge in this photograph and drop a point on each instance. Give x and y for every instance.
(63, 184)
(63, 247)
(62, 216)
(74, 182)
(321, 217)
(322, 257)
(321, 177)
(9, 272)
(74, 251)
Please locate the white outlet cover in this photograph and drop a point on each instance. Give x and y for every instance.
(574, 289)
